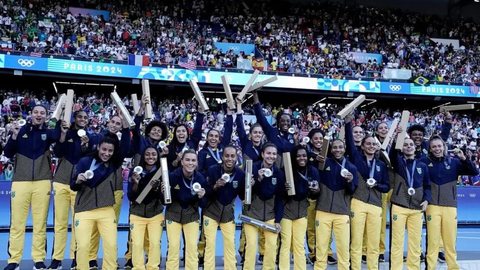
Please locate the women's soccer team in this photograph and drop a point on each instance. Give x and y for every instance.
(343, 195)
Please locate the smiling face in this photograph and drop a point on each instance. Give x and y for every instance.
(302, 158)
(338, 149)
(382, 130)
(115, 124)
(417, 137)
(229, 158)
(369, 146)
(437, 148)
(105, 151)
(256, 134)
(213, 138)
(155, 133)
(269, 155)
(181, 134)
(317, 140)
(150, 156)
(358, 134)
(81, 120)
(285, 122)
(39, 114)
(189, 163)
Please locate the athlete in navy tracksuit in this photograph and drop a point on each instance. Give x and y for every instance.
(333, 206)
(442, 210)
(69, 149)
(31, 185)
(182, 214)
(219, 211)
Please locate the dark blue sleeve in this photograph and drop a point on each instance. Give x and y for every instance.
(101, 174)
(125, 143)
(467, 168)
(211, 179)
(197, 130)
(351, 150)
(270, 131)
(279, 198)
(352, 186)
(131, 194)
(11, 147)
(427, 192)
(60, 149)
(136, 136)
(383, 185)
(79, 168)
(202, 161)
(446, 127)
(54, 134)
(227, 132)
(203, 202)
(242, 134)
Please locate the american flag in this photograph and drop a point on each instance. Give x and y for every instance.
(192, 64)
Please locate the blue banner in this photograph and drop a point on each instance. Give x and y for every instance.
(363, 58)
(235, 78)
(236, 47)
(395, 88)
(26, 62)
(441, 90)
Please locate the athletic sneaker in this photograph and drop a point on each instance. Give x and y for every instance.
(200, 261)
(381, 258)
(128, 264)
(364, 259)
(260, 259)
(39, 266)
(93, 264)
(55, 265)
(12, 266)
(331, 260)
(441, 257)
(73, 266)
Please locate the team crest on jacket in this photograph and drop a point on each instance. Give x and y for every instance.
(177, 187)
(44, 137)
(328, 168)
(206, 222)
(377, 168)
(419, 170)
(71, 140)
(235, 184)
(25, 136)
(274, 181)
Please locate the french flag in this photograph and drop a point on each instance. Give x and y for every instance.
(138, 60)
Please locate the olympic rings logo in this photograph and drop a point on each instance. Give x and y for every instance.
(395, 87)
(26, 62)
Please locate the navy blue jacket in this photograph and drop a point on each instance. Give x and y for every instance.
(253, 152)
(284, 141)
(205, 159)
(444, 174)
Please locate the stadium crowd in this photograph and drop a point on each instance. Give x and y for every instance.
(313, 39)
(464, 134)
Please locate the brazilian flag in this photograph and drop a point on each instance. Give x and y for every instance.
(421, 80)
